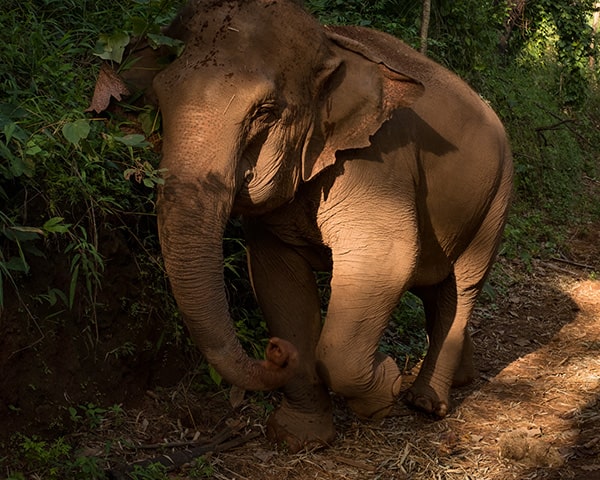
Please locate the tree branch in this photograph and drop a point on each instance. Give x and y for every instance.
(176, 459)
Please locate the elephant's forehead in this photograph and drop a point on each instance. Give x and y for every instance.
(251, 33)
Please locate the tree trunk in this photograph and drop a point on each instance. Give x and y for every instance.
(595, 23)
(516, 11)
(425, 17)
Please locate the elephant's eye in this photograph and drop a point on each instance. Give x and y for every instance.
(267, 112)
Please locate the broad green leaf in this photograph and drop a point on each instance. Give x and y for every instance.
(112, 47)
(133, 140)
(214, 375)
(157, 40)
(32, 148)
(150, 121)
(12, 130)
(76, 131)
(140, 27)
(55, 225)
(5, 152)
(18, 166)
(9, 130)
(17, 264)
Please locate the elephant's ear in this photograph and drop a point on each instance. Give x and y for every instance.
(360, 92)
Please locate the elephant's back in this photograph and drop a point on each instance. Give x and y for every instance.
(384, 48)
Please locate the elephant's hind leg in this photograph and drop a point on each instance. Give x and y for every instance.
(286, 291)
(449, 359)
(448, 308)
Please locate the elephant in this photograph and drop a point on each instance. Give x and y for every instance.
(342, 150)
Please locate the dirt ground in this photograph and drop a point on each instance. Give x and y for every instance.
(534, 411)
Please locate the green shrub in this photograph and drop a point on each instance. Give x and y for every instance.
(54, 460)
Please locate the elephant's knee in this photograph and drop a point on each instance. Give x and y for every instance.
(337, 372)
(370, 388)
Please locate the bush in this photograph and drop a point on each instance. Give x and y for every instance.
(62, 172)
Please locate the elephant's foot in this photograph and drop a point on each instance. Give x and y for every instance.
(424, 398)
(380, 399)
(430, 393)
(298, 430)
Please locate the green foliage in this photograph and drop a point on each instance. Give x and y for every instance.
(86, 260)
(406, 339)
(67, 179)
(64, 176)
(250, 326)
(56, 460)
(200, 468)
(553, 152)
(562, 29)
(397, 17)
(464, 35)
(91, 414)
(154, 471)
(112, 47)
(20, 245)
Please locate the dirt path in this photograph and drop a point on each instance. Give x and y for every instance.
(533, 413)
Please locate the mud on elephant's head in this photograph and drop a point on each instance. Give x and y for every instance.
(260, 100)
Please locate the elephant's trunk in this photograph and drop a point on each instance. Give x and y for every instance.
(193, 208)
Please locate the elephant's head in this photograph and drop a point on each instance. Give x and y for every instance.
(261, 100)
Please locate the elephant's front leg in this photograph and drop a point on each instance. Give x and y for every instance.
(285, 287)
(365, 288)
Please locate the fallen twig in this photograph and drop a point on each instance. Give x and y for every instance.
(176, 459)
(355, 463)
(575, 264)
(223, 435)
(554, 126)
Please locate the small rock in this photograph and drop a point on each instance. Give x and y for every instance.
(513, 445)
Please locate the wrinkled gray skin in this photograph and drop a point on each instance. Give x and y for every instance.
(344, 150)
